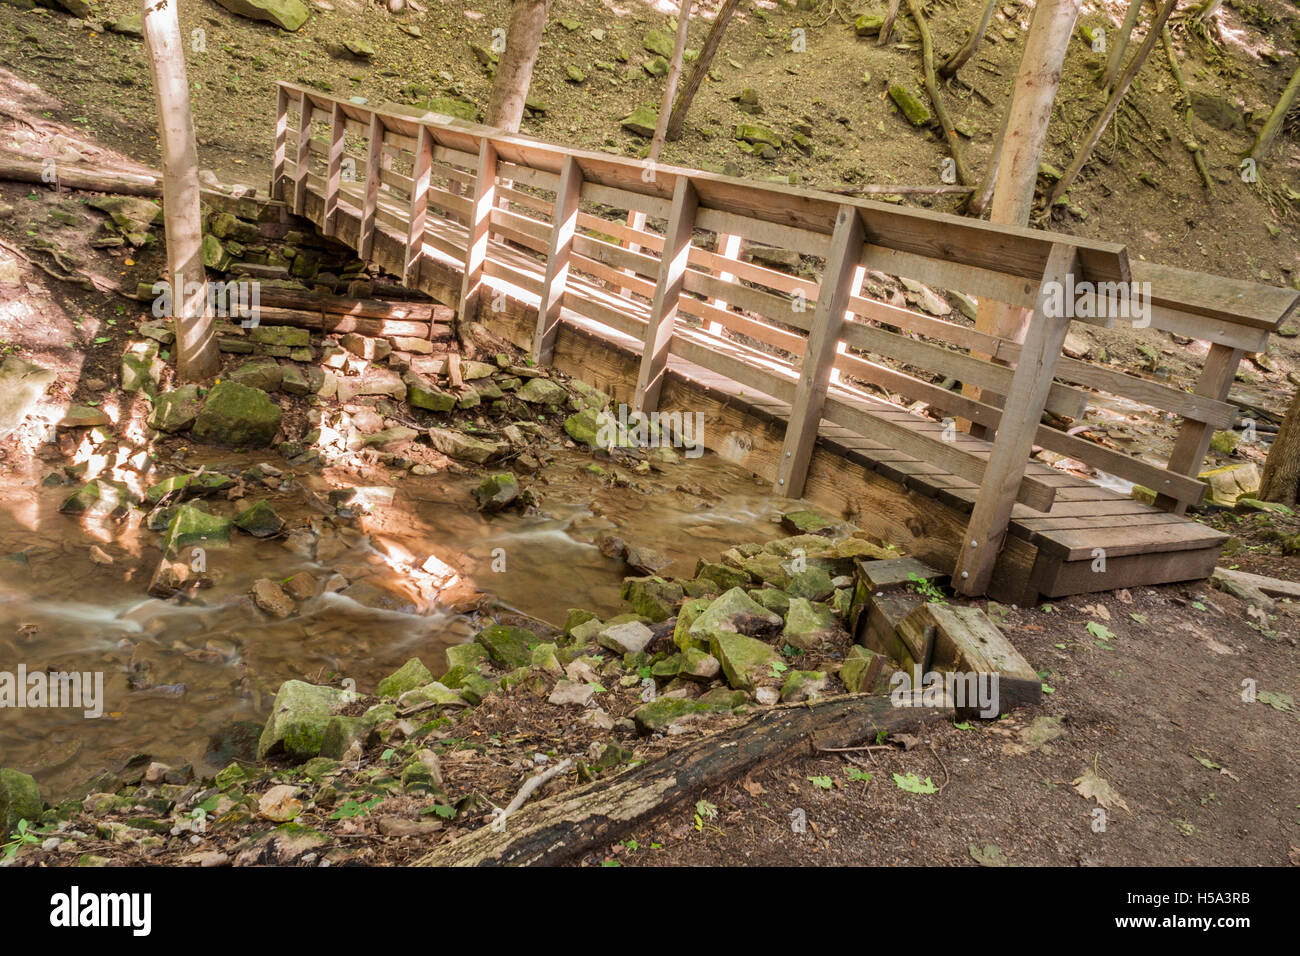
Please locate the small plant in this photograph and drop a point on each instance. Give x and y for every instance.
(822, 783)
(913, 784)
(22, 836)
(856, 774)
(927, 589)
(352, 808)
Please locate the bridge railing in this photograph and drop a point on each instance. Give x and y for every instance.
(801, 319)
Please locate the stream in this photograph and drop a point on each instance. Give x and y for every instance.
(183, 680)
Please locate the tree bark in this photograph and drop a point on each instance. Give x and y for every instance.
(674, 75)
(887, 27)
(1116, 59)
(967, 49)
(573, 823)
(701, 69)
(1117, 95)
(197, 356)
(1013, 167)
(1275, 119)
(1281, 481)
(515, 68)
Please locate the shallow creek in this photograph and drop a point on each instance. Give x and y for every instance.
(177, 675)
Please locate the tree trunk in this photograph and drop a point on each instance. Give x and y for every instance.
(197, 357)
(82, 177)
(571, 824)
(1013, 169)
(1275, 119)
(515, 69)
(887, 27)
(1281, 482)
(700, 69)
(1206, 10)
(967, 49)
(674, 74)
(1116, 97)
(1116, 59)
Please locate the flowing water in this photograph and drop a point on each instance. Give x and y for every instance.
(177, 675)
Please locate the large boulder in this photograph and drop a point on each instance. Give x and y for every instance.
(409, 676)
(21, 386)
(236, 414)
(735, 612)
(285, 14)
(20, 799)
(296, 727)
(462, 447)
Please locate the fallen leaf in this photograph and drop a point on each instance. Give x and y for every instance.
(1092, 786)
(990, 855)
(753, 788)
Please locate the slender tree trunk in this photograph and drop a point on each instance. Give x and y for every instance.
(1116, 97)
(1281, 482)
(1276, 118)
(967, 49)
(674, 75)
(1116, 59)
(700, 69)
(197, 357)
(1013, 168)
(887, 27)
(515, 69)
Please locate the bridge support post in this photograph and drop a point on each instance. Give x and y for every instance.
(729, 245)
(1035, 369)
(668, 291)
(842, 264)
(480, 223)
(1193, 441)
(564, 223)
(420, 177)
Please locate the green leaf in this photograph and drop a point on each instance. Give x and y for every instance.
(705, 809)
(856, 774)
(821, 783)
(990, 855)
(913, 784)
(1282, 702)
(1100, 631)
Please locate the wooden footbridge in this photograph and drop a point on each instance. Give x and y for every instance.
(629, 276)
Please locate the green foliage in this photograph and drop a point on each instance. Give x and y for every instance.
(913, 784)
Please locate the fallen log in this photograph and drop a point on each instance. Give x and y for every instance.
(567, 825)
(1273, 587)
(81, 177)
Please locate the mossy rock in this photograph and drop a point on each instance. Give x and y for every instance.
(260, 520)
(20, 799)
(296, 727)
(744, 659)
(508, 647)
(176, 410)
(236, 414)
(409, 676)
(917, 113)
(652, 597)
(191, 525)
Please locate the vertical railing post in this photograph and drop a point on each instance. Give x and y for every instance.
(564, 224)
(281, 142)
(668, 292)
(480, 225)
(842, 259)
(304, 154)
(728, 248)
(636, 221)
(1193, 442)
(334, 170)
(855, 289)
(420, 176)
(1021, 413)
(369, 207)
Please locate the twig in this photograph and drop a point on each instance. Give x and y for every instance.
(946, 777)
(935, 93)
(531, 785)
